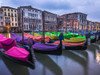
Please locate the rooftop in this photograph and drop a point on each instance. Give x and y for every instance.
(29, 7)
(8, 7)
(73, 13)
(49, 12)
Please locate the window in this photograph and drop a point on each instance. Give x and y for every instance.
(16, 24)
(15, 10)
(15, 15)
(9, 24)
(11, 10)
(15, 19)
(29, 9)
(12, 24)
(1, 17)
(5, 14)
(4, 9)
(34, 15)
(11, 14)
(12, 19)
(8, 14)
(8, 9)
(6, 24)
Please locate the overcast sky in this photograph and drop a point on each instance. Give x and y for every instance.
(90, 7)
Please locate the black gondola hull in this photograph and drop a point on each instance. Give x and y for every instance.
(51, 52)
(93, 40)
(25, 63)
(75, 47)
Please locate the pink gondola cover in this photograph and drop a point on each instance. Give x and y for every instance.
(2, 38)
(7, 43)
(18, 53)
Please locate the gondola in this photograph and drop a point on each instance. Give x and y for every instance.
(46, 48)
(73, 46)
(94, 39)
(18, 38)
(37, 38)
(99, 35)
(78, 47)
(11, 54)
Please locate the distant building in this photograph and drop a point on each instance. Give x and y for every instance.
(89, 25)
(1, 21)
(98, 26)
(73, 18)
(92, 25)
(50, 21)
(32, 18)
(60, 23)
(10, 17)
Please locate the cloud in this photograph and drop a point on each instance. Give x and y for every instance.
(60, 7)
(51, 5)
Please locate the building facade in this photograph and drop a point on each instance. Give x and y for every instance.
(73, 19)
(92, 26)
(32, 18)
(60, 23)
(10, 17)
(1, 21)
(50, 21)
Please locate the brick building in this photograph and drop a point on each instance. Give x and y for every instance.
(73, 19)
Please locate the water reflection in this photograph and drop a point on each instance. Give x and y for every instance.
(83, 62)
(49, 64)
(74, 62)
(14, 69)
(92, 48)
(98, 56)
(82, 53)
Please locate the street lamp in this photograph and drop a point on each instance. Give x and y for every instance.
(8, 31)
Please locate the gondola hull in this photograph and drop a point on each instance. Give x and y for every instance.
(25, 63)
(51, 52)
(57, 51)
(75, 47)
(93, 40)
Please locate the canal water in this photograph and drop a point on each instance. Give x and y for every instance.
(71, 62)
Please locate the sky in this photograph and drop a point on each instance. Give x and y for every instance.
(60, 7)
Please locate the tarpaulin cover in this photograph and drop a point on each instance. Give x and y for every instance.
(19, 53)
(74, 40)
(7, 43)
(19, 38)
(37, 38)
(39, 46)
(69, 44)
